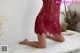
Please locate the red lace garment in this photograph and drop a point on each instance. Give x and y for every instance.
(47, 20)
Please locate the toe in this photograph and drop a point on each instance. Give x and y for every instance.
(23, 42)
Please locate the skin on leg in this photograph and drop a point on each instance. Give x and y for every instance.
(42, 40)
(41, 43)
(57, 37)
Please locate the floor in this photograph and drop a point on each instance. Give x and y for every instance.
(71, 45)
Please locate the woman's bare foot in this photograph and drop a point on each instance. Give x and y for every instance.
(24, 42)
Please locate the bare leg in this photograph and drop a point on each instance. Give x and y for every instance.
(41, 43)
(57, 37)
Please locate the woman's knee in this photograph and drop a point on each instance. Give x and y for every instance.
(42, 45)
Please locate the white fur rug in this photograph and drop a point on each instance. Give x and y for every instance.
(71, 44)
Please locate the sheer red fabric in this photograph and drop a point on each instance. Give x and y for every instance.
(47, 20)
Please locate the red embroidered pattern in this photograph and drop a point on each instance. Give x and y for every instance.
(47, 20)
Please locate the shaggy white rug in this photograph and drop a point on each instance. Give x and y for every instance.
(71, 44)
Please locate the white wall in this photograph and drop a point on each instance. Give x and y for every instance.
(20, 15)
